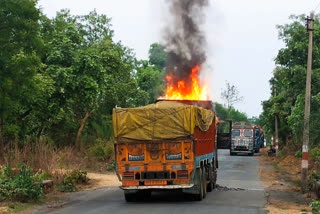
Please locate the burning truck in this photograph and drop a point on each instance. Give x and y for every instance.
(164, 146)
(171, 144)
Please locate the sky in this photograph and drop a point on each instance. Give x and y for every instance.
(242, 38)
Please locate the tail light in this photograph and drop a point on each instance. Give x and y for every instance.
(130, 183)
(128, 176)
(182, 174)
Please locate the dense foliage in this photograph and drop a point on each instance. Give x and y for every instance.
(20, 186)
(231, 113)
(288, 85)
(72, 179)
(61, 77)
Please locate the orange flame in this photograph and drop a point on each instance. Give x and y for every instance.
(180, 90)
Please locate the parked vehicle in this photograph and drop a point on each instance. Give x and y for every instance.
(262, 140)
(224, 134)
(164, 146)
(243, 138)
(259, 139)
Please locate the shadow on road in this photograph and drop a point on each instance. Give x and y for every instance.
(246, 155)
(166, 197)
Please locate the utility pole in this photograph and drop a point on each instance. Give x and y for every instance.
(276, 126)
(305, 149)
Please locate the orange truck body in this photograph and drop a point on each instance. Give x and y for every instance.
(170, 163)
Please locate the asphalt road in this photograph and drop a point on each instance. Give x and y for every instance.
(239, 191)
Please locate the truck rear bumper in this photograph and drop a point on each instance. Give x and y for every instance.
(244, 151)
(241, 151)
(180, 186)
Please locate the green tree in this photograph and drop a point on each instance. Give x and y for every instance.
(157, 55)
(60, 78)
(288, 82)
(230, 113)
(90, 72)
(19, 62)
(150, 79)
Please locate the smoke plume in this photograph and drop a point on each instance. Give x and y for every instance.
(184, 40)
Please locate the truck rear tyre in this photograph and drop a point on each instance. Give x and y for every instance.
(216, 159)
(251, 154)
(204, 183)
(199, 196)
(213, 178)
(210, 187)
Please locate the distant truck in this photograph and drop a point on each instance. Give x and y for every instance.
(164, 146)
(243, 138)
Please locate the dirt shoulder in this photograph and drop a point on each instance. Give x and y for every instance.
(280, 177)
(98, 180)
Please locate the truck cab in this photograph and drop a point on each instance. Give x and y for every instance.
(242, 139)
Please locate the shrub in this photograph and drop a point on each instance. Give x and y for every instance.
(102, 150)
(42, 176)
(315, 154)
(73, 178)
(111, 166)
(22, 186)
(281, 154)
(314, 177)
(298, 154)
(315, 205)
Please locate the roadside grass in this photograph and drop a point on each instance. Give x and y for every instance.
(66, 167)
(279, 169)
(17, 207)
(285, 175)
(282, 178)
(18, 190)
(297, 182)
(45, 157)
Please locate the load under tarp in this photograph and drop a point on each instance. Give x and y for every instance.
(159, 121)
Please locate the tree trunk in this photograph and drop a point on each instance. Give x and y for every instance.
(82, 125)
(39, 134)
(1, 137)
